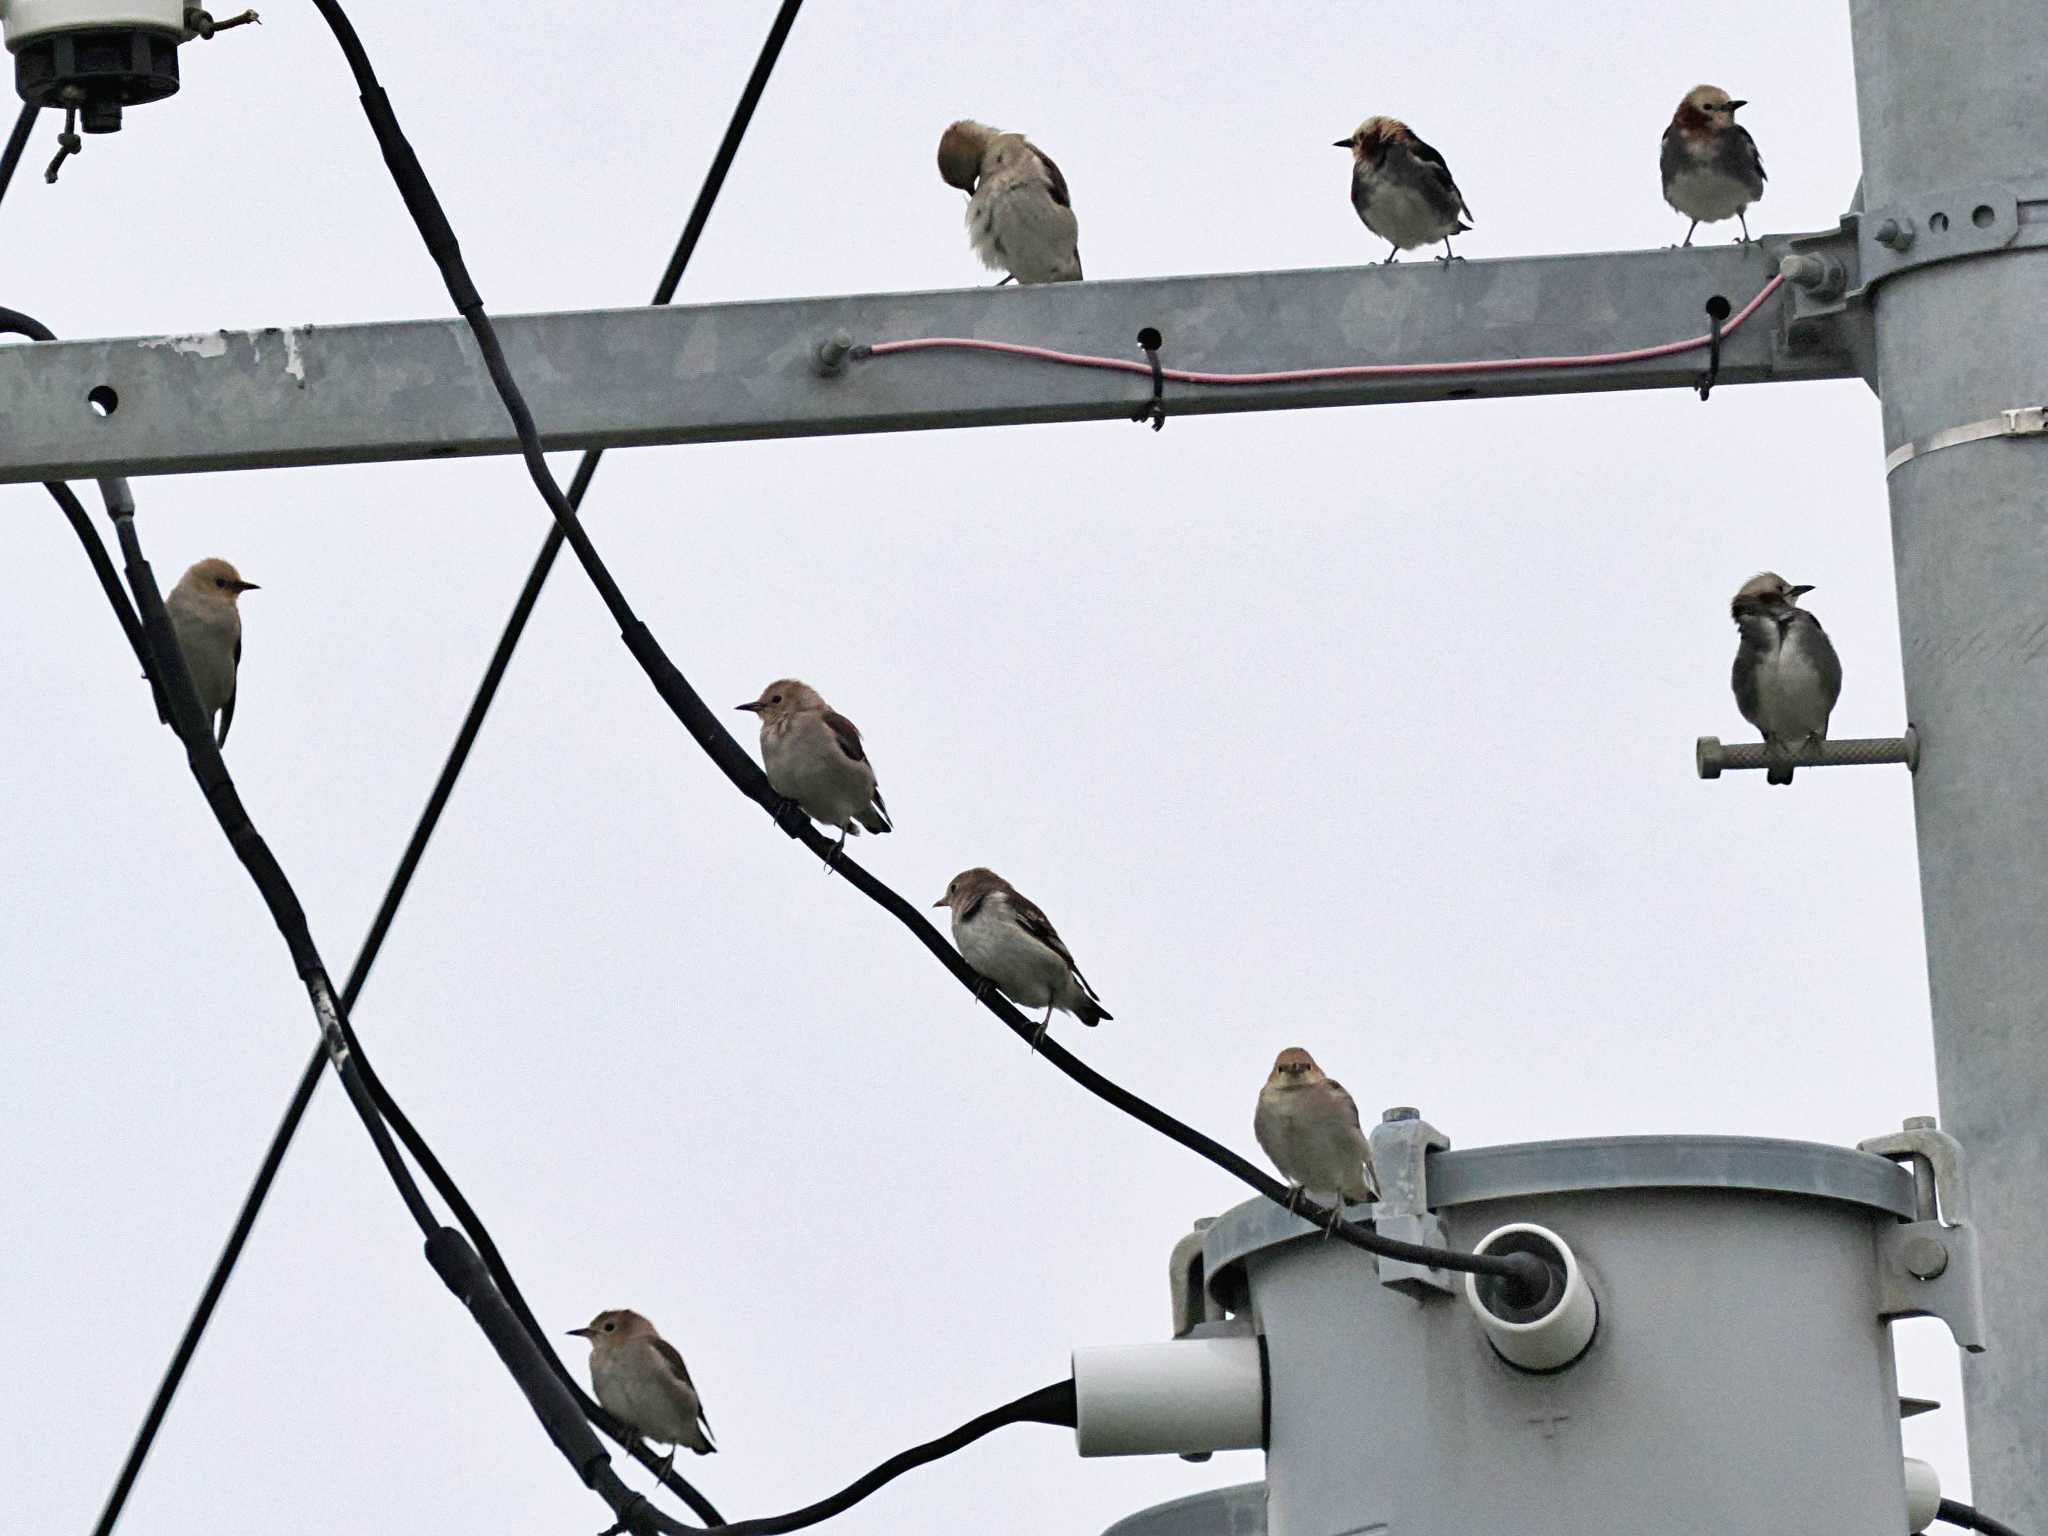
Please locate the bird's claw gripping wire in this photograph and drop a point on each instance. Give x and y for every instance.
(788, 815)
(1038, 1034)
(982, 988)
(832, 858)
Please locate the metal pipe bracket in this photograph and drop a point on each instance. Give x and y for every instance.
(1401, 1144)
(1712, 756)
(1929, 1267)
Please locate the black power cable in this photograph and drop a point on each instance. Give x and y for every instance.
(14, 323)
(1972, 1520)
(534, 1369)
(17, 141)
(1523, 1271)
(401, 880)
(1048, 1405)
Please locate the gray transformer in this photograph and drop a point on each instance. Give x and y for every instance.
(1739, 1380)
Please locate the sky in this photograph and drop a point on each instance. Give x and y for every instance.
(1368, 731)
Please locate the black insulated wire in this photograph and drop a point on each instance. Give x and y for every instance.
(1048, 1405)
(1523, 1271)
(401, 880)
(1972, 1520)
(13, 322)
(17, 141)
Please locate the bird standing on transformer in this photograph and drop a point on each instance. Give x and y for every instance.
(1402, 189)
(1711, 167)
(1020, 219)
(1308, 1125)
(1786, 676)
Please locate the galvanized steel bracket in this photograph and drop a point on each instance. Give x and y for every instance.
(1401, 1144)
(1929, 1267)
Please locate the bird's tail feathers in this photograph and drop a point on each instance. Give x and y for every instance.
(876, 818)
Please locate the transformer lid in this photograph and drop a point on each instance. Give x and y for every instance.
(1750, 1164)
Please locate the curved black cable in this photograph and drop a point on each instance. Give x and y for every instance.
(1521, 1270)
(1048, 1405)
(408, 864)
(14, 323)
(17, 141)
(532, 1368)
(1972, 1520)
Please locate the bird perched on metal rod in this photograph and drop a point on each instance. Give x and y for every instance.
(1011, 944)
(1309, 1127)
(642, 1382)
(813, 755)
(1020, 219)
(1711, 167)
(1402, 189)
(208, 625)
(1786, 676)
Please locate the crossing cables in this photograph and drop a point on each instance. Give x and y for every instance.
(1522, 1271)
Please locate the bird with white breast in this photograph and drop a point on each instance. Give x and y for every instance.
(641, 1381)
(814, 755)
(207, 622)
(1013, 945)
(1309, 1127)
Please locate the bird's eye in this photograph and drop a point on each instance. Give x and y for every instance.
(220, 581)
(608, 1327)
(775, 698)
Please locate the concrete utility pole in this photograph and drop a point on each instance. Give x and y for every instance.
(1953, 105)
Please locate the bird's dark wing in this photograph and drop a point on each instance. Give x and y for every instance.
(1822, 652)
(227, 710)
(1671, 157)
(1039, 926)
(1056, 182)
(668, 1352)
(1743, 146)
(1743, 680)
(848, 734)
(1433, 162)
(1350, 1104)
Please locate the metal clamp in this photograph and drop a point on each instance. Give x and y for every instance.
(1928, 1267)
(1712, 756)
(1401, 1144)
(2021, 421)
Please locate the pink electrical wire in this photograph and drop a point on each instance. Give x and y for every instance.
(1311, 375)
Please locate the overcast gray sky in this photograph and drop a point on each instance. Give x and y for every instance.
(1367, 731)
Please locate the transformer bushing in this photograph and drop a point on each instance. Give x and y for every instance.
(1726, 1364)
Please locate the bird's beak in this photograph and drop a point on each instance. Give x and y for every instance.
(941, 902)
(1734, 104)
(752, 709)
(247, 586)
(1800, 591)
(1342, 144)
(579, 1333)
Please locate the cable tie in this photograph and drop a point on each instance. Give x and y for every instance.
(1717, 311)
(1153, 410)
(68, 144)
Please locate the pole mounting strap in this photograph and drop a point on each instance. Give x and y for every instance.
(2022, 421)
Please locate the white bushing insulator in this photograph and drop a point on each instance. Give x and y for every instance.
(1923, 1494)
(1551, 1332)
(28, 19)
(1184, 1397)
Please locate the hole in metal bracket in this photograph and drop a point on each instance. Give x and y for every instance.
(1982, 216)
(1938, 222)
(103, 399)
